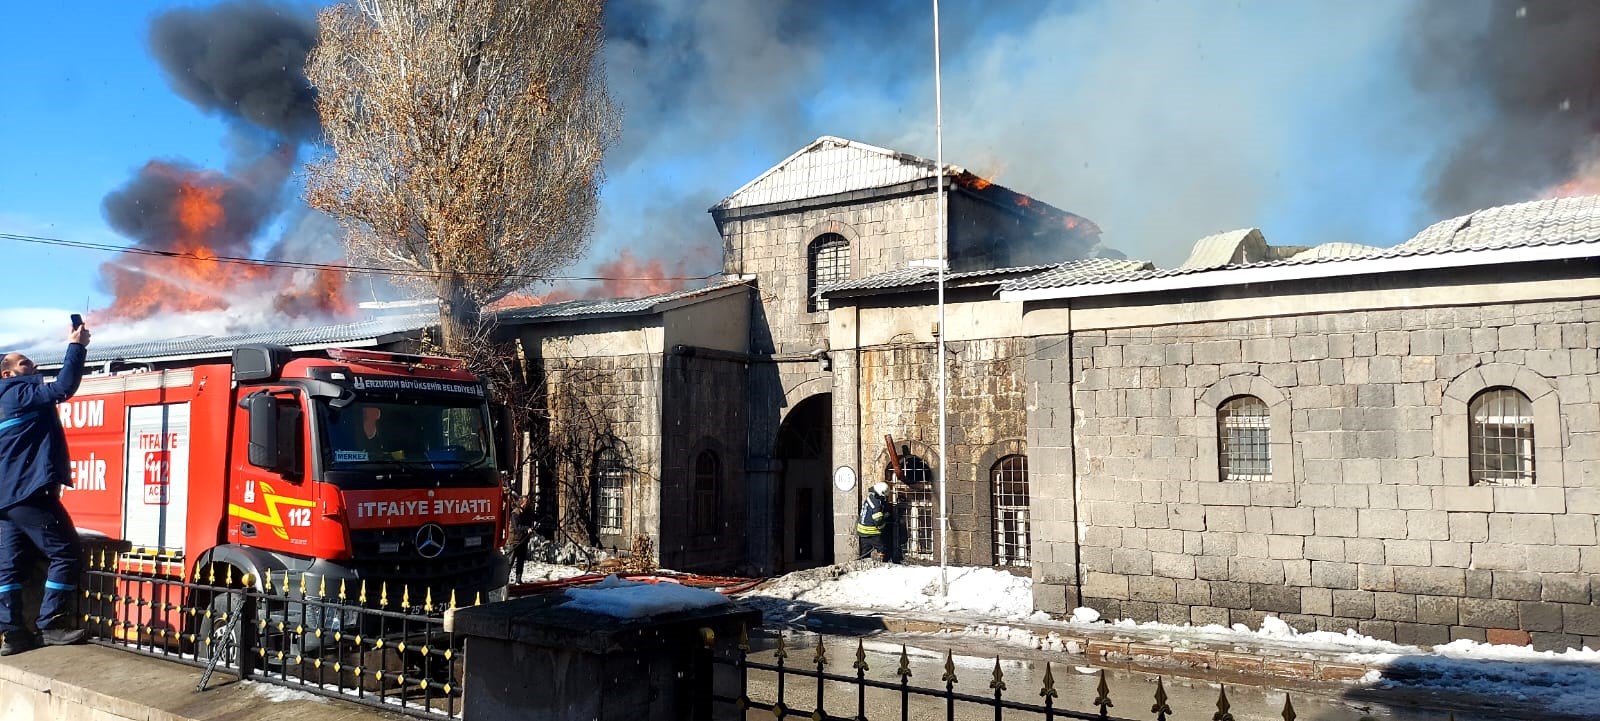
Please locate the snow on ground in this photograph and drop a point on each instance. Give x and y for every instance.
(992, 602)
(534, 571)
(278, 694)
(983, 592)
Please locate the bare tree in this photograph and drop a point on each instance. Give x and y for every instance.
(466, 136)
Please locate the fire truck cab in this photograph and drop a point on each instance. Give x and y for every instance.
(354, 466)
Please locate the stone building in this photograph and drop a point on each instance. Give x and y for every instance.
(646, 407)
(1405, 441)
(1402, 441)
(838, 210)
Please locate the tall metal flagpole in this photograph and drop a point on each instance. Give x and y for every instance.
(944, 458)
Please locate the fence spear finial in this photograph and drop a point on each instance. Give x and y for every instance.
(1049, 690)
(1160, 708)
(1222, 706)
(1102, 696)
(998, 683)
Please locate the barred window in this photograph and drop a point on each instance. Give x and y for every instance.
(608, 482)
(1244, 449)
(916, 506)
(1010, 484)
(1500, 438)
(828, 261)
(707, 478)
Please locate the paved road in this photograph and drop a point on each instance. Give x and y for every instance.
(1131, 692)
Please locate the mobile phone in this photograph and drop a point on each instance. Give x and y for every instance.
(77, 320)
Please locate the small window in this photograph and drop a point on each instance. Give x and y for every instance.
(707, 478)
(1009, 478)
(1244, 448)
(1500, 438)
(828, 262)
(608, 483)
(916, 506)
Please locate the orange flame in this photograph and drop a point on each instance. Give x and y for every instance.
(625, 276)
(194, 280)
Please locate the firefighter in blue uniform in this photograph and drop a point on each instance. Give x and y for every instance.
(33, 467)
(874, 518)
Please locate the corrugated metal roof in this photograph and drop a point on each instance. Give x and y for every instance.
(1069, 273)
(1220, 249)
(1490, 232)
(909, 276)
(1336, 250)
(829, 166)
(1539, 222)
(364, 332)
(607, 306)
(372, 331)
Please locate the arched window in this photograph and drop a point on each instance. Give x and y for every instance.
(608, 482)
(828, 261)
(707, 479)
(1009, 479)
(1500, 438)
(1244, 442)
(916, 506)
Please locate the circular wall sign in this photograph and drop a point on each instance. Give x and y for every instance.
(843, 478)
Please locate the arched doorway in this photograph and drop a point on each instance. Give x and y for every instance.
(805, 503)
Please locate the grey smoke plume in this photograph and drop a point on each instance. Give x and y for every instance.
(1159, 122)
(245, 59)
(1525, 76)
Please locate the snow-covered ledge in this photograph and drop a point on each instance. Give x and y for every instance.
(616, 651)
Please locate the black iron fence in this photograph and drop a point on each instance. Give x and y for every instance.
(379, 645)
(776, 681)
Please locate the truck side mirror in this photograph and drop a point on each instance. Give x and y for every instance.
(274, 434)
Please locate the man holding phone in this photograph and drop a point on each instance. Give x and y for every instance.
(33, 467)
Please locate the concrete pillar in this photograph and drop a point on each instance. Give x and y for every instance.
(531, 658)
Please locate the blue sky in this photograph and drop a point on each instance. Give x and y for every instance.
(1161, 122)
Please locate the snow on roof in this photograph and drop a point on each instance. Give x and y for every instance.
(619, 598)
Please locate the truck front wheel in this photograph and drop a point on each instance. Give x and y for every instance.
(219, 630)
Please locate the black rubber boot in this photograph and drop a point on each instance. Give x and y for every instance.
(17, 642)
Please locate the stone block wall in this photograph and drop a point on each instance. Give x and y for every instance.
(986, 421)
(596, 402)
(884, 233)
(704, 409)
(1368, 521)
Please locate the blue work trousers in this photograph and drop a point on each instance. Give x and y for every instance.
(39, 526)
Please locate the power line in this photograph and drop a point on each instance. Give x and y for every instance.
(308, 265)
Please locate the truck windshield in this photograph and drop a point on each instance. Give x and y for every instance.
(429, 433)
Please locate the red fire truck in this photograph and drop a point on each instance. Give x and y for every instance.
(352, 465)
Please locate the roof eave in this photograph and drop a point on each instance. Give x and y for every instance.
(1311, 271)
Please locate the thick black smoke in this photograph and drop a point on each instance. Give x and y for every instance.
(245, 59)
(1526, 76)
(147, 208)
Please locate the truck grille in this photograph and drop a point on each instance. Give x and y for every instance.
(472, 540)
